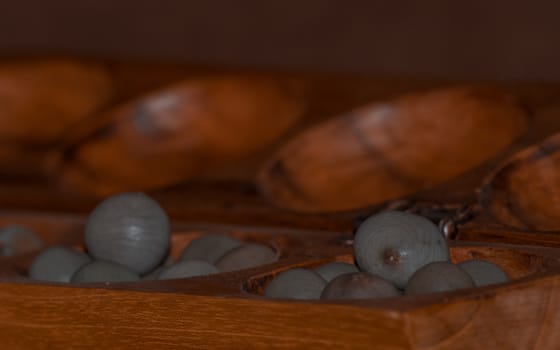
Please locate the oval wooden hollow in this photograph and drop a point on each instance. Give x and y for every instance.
(524, 193)
(181, 131)
(384, 151)
(41, 100)
(286, 243)
(518, 262)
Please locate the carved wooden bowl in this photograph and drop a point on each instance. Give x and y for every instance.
(228, 310)
(484, 170)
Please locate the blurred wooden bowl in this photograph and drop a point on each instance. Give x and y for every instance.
(388, 150)
(180, 131)
(40, 100)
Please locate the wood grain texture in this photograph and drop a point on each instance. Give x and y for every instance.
(199, 313)
(519, 318)
(124, 319)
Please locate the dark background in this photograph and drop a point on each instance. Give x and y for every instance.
(449, 39)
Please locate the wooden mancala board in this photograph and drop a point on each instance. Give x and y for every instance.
(293, 161)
